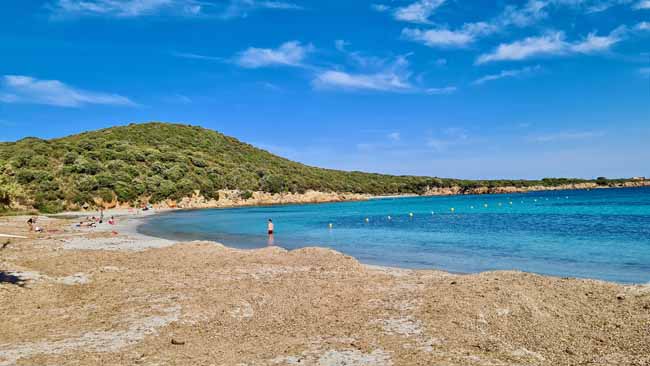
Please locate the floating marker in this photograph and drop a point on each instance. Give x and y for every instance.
(499, 204)
(390, 218)
(411, 214)
(510, 203)
(472, 207)
(535, 200)
(331, 226)
(453, 209)
(485, 205)
(567, 197)
(367, 219)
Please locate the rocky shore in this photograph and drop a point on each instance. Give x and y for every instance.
(108, 296)
(457, 190)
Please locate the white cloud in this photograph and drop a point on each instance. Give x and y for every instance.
(526, 15)
(566, 136)
(532, 46)
(507, 74)
(125, 8)
(377, 75)
(644, 26)
(291, 53)
(417, 12)
(595, 43)
(552, 44)
(438, 37)
(642, 4)
(383, 81)
(137, 8)
(25, 89)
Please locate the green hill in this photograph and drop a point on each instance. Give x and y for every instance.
(158, 161)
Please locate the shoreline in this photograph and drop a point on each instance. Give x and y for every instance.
(130, 223)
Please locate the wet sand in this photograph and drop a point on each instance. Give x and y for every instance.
(109, 296)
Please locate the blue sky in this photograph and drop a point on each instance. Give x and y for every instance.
(509, 89)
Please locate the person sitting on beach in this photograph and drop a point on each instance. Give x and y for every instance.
(31, 222)
(270, 227)
(112, 221)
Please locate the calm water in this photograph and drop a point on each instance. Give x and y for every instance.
(603, 234)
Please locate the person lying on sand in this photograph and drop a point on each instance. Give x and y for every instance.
(86, 224)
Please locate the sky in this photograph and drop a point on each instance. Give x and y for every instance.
(450, 88)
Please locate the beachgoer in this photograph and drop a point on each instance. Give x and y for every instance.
(112, 221)
(270, 227)
(31, 223)
(101, 216)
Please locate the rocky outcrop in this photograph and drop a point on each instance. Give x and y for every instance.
(235, 198)
(456, 190)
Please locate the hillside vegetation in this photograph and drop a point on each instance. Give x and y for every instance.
(153, 162)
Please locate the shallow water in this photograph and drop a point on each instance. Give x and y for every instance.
(602, 234)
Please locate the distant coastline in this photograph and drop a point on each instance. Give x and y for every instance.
(233, 199)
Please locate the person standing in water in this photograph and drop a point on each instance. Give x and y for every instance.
(270, 229)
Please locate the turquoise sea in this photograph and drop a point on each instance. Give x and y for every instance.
(601, 234)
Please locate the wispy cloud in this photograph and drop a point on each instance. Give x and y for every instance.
(566, 136)
(195, 56)
(439, 37)
(26, 89)
(520, 16)
(226, 9)
(527, 14)
(643, 26)
(379, 7)
(642, 4)
(645, 71)
(242, 8)
(375, 74)
(508, 74)
(291, 53)
(417, 12)
(125, 8)
(552, 43)
(441, 91)
(383, 81)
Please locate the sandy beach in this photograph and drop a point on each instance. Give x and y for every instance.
(110, 296)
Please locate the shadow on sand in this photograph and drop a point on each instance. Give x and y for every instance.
(6, 277)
